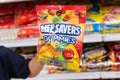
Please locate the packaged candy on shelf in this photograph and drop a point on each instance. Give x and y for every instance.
(115, 48)
(101, 57)
(56, 70)
(62, 28)
(93, 27)
(7, 21)
(112, 18)
(96, 53)
(106, 21)
(100, 67)
(25, 15)
(28, 32)
(7, 9)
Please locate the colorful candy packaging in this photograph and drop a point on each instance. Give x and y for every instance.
(62, 28)
(108, 21)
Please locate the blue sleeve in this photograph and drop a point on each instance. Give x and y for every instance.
(17, 65)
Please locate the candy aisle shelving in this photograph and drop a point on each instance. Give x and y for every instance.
(65, 76)
(87, 39)
(83, 75)
(77, 76)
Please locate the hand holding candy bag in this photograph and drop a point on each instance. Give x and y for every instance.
(62, 28)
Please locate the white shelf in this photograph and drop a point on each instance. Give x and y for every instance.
(87, 39)
(93, 38)
(73, 76)
(67, 76)
(9, 1)
(19, 42)
(111, 37)
(33, 41)
(110, 75)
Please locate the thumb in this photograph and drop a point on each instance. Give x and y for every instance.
(41, 42)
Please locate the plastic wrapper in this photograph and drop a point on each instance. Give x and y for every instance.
(25, 15)
(96, 53)
(100, 57)
(108, 21)
(62, 28)
(7, 21)
(28, 32)
(115, 48)
(7, 9)
(101, 67)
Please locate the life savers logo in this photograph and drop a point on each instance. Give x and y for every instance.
(60, 32)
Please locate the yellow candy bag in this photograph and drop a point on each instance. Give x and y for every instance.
(62, 28)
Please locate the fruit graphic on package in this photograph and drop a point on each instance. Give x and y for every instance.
(47, 53)
(68, 54)
(75, 60)
(66, 18)
(42, 15)
(61, 59)
(51, 12)
(78, 47)
(57, 17)
(80, 15)
(59, 12)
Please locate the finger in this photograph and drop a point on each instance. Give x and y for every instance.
(41, 42)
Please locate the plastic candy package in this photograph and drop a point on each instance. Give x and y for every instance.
(115, 48)
(26, 15)
(62, 28)
(28, 32)
(108, 21)
(7, 21)
(101, 57)
(96, 53)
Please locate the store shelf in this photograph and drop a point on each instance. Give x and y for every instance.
(111, 37)
(109, 75)
(19, 42)
(67, 76)
(79, 76)
(9, 1)
(93, 38)
(33, 41)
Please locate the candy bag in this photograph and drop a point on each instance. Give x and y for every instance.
(62, 28)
